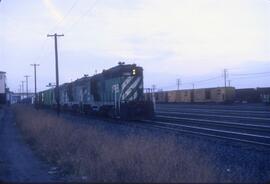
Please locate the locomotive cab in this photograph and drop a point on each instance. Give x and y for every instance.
(119, 91)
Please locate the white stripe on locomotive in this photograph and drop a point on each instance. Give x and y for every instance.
(127, 92)
(126, 82)
(134, 96)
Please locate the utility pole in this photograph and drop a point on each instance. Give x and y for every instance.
(192, 93)
(225, 77)
(35, 75)
(154, 96)
(22, 89)
(225, 84)
(153, 87)
(56, 70)
(178, 81)
(229, 83)
(26, 77)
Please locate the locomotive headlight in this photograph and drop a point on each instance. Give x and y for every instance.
(134, 72)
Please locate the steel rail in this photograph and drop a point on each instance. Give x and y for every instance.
(214, 110)
(216, 130)
(225, 123)
(211, 135)
(196, 131)
(213, 115)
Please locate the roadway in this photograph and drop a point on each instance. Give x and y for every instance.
(18, 162)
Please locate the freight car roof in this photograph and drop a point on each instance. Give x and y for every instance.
(200, 89)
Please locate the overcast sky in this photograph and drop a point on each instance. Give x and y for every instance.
(189, 39)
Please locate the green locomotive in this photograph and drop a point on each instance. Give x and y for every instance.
(116, 92)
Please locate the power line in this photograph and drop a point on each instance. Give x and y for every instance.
(225, 76)
(193, 83)
(68, 12)
(82, 15)
(243, 74)
(248, 77)
(202, 81)
(43, 50)
(199, 81)
(43, 47)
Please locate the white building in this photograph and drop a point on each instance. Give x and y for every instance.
(2, 87)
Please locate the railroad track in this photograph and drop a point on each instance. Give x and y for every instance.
(218, 112)
(247, 133)
(246, 117)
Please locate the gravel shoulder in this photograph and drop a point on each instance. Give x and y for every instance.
(18, 163)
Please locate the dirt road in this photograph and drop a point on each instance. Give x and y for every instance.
(18, 163)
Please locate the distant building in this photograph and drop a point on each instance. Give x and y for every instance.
(13, 98)
(2, 87)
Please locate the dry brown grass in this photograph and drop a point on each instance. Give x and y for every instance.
(99, 154)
